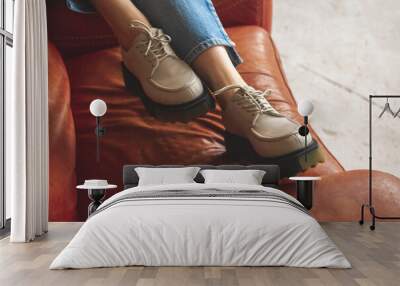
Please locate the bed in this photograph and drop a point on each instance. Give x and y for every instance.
(201, 224)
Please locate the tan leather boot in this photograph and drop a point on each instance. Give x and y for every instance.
(167, 85)
(254, 127)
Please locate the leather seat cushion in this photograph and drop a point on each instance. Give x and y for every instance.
(134, 137)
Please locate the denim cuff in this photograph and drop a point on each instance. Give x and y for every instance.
(201, 47)
(81, 6)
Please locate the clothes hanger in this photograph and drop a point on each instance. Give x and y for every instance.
(387, 108)
(397, 113)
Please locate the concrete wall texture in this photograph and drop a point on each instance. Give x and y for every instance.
(336, 53)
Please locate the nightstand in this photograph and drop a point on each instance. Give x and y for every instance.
(305, 188)
(96, 191)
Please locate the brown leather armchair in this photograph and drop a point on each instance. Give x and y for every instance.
(84, 64)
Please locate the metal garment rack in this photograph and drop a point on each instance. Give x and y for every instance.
(370, 205)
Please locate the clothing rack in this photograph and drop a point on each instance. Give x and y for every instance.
(370, 205)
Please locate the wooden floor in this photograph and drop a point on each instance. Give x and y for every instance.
(375, 257)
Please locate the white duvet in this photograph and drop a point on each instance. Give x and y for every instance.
(200, 231)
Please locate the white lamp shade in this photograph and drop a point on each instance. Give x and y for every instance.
(305, 108)
(98, 108)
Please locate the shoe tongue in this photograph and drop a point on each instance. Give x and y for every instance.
(155, 31)
(141, 37)
(146, 33)
(262, 101)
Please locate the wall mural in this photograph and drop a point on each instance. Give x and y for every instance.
(85, 65)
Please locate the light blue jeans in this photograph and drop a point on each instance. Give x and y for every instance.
(193, 25)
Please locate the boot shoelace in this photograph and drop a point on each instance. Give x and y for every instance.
(250, 99)
(154, 43)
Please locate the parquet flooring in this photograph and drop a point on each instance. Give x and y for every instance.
(375, 257)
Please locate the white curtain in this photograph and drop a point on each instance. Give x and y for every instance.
(27, 124)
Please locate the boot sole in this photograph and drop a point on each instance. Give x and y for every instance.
(290, 164)
(169, 113)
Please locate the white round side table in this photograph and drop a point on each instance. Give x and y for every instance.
(96, 195)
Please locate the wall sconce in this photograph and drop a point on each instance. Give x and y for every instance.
(305, 109)
(98, 108)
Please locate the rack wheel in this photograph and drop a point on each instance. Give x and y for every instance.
(361, 222)
(372, 227)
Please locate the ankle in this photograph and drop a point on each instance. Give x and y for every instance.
(223, 95)
(126, 41)
(224, 98)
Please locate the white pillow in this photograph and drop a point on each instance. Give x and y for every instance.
(163, 176)
(248, 177)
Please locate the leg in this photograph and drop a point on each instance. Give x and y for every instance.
(201, 41)
(216, 68)
(168, 87)
(214, 65)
